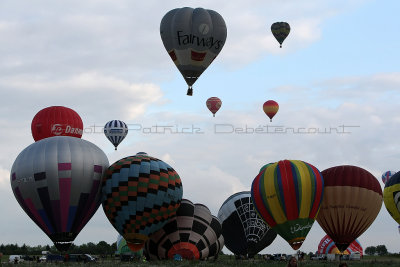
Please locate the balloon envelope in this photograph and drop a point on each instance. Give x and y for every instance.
(287, 195)
(387, 175)
(56, 121)
(193, 38)
(352, 200)
(57, 182)
(193, 233)
(245, 233)
(139, 194)
(270, 108)
(280, 30)
(327, 246)
(391, 197)
(214, 104)
(115, 131)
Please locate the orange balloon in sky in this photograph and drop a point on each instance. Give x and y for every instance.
(270, 108)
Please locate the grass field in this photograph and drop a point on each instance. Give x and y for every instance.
(226, 260)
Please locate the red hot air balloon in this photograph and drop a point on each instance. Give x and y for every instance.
(56, 121)
(214, 104)
(270, 108)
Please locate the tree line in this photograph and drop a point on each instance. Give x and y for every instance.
(101, 248)
(380, 250)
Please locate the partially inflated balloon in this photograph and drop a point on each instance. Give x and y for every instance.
(123, 248)
(287, 195)
(139, 194)
(115, 131)
(280, 30)
(194, 233)
(244, 231)
(56, 121)
(57, 181)
(391, 196)
(327, 246)
(214, 104)
(270, 108)
(352, 200)
(193, 38)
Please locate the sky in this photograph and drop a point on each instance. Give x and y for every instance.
(338, 69)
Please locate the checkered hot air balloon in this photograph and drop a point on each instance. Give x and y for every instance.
(193, 233)
(280, 30)
(139, 194)
(115, 131)
(57, 181)
(193, 38)
(287, 195)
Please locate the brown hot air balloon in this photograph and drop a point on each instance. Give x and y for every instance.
(352, 200)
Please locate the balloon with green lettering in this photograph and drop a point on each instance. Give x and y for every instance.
(287, 195)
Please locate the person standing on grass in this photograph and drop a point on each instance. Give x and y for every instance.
(292, 262)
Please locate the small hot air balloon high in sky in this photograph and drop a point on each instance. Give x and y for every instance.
(270, 108)
(280, 30)
(115, 131)
(139, 195)
(193, 38)
(214, 104)
(352, 200)
(56, 121)
(287, 195)
(57, 181)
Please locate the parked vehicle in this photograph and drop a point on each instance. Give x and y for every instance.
(15, 259)
(80, 258)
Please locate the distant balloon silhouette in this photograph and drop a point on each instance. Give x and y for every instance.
(270, 108)
(280, 30)
(214, 104)
(387, 175)
(352, 200)
(193, 38)
(57, 182)
(56, 121)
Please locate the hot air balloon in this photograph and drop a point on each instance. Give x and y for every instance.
(352, 200)
(391, 196)
(280, 30)
(327, 246)
(270, 108)
(115, 131)
(56, 121)
(386, 176)
(214, 104)
(139, 194)
(193, 38)
(125, 252)
(193, 233)
(287, 195)
(245, 233)
(57, 182)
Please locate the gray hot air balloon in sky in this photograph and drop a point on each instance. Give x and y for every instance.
(115, 131)
(193, 38)
(57, 181)
(245, 233)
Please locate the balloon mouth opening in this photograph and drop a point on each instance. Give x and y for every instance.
(62, 246)
(186, 250)
(342, 246)
(136, 245)
(296, 243)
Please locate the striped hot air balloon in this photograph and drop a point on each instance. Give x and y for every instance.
(270, 108)
(214, 104)
(57, 181)
(387, 175)
(327, 246)
(139, 194)
(287, 195)
(193, 233)
(115, 131)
